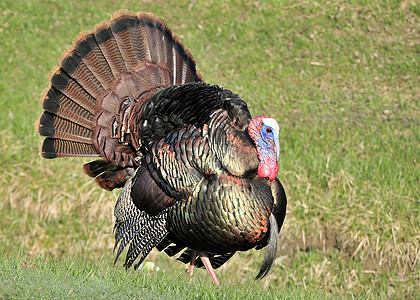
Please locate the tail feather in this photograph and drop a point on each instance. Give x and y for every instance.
(74, 66)
(100, 78)
(56, 127)
(87, 49)
(58, 104)
(127, 29)
(52, 148)
(165, 47)
(109, 47)
(139, 39)
(159, 75)
(72, 89)
(154, 31)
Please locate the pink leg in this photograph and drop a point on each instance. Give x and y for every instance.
(206, 261)
(192, 264)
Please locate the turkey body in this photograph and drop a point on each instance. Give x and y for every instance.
(198, 173)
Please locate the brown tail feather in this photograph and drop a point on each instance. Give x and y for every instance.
(130, 41)
(52, 148)
(62, 106)
(73, 90)
(108, 45)
(56, 127)
(87, 49)
(74, 66)
(101, 77)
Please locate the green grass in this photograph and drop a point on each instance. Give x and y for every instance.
(342, 79)
(82, 279)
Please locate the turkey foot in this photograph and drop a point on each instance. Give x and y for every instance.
(206, 261)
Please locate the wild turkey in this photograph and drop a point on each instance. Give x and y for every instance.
(199, 175)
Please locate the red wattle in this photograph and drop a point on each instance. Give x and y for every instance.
(266, 170)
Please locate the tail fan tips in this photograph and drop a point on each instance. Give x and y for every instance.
(136, 45)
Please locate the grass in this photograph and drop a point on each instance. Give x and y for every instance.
(341, 78)
(82, 279)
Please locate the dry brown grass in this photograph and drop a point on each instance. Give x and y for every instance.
(61, 221)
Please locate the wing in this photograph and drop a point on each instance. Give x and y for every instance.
(180, 106)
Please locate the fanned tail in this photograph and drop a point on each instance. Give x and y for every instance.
(98, 82)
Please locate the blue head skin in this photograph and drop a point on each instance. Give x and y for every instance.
(265, 133)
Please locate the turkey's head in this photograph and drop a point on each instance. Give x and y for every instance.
(264, 131)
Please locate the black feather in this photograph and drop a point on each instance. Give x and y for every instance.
(271, 249)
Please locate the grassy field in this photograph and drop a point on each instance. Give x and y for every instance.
(78, 278)
(341, 77)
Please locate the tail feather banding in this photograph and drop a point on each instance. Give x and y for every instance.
(52, 148)
(124, 57)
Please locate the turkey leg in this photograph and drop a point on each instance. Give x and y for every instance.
(206, 261)
(192, 264)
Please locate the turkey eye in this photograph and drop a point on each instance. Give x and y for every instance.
(268, 130)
